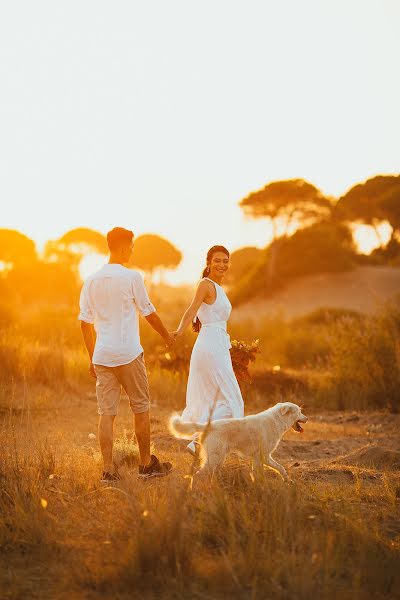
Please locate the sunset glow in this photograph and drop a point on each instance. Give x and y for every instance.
(367, 239)
(161, 118)
(200, 299)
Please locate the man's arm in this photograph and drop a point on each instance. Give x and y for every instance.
(147, 310)
(154, 320)
(89, 337)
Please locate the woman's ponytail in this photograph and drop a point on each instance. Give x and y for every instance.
(196, 325)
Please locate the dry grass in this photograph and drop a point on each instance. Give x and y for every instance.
(334, 533)
(345, 360)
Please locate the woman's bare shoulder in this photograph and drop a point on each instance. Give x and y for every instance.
(204, 286)
(205, 283)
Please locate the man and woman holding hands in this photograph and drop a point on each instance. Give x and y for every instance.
(110, 303)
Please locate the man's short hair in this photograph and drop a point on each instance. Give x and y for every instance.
(118, 237)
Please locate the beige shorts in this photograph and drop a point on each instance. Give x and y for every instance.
(132, 377)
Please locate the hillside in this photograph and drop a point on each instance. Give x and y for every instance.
(362, 289)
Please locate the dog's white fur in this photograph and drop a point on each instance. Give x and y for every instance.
(255, 435)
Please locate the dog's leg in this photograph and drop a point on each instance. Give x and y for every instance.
(258, 462)
(258, 453)
(213, 456)
(277, 467)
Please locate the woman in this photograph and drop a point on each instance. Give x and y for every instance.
(212, 390)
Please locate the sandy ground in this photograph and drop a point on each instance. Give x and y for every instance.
(364, 289)
(331, 443)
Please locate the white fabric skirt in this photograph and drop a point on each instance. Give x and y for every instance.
(212, 387)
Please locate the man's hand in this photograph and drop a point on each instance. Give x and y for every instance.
(89, 337)
(154, 320)
(170, 339)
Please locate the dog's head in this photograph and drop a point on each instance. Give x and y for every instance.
(293, 415)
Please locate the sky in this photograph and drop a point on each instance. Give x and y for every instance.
(160, 116)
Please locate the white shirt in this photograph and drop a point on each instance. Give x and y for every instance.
(111, 299)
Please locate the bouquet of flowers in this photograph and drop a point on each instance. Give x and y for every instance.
(242, 354)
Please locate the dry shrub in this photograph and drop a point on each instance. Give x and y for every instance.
(24, 520)
(296, 343)
(77, 368)
(167, 388)
(346, 360)
(306, 346)
(51, 324)
(21, 358)
(308, 339)
(365, 361)
(10, 360)
(49, 366)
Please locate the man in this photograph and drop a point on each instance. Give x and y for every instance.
(109, 305)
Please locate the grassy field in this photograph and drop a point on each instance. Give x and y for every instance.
(334, 532)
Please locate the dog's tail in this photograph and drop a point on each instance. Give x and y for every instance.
(183, 429)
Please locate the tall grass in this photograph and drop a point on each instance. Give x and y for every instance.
(24, 522)
(346, 360)
(342, 359)
(243, 533)
(365, 361)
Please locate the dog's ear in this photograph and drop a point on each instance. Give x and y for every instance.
(285, 410)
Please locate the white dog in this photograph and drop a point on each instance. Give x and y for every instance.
(255, 435)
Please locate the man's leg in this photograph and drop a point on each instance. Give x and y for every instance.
(142, 430)
(133, 378)
(106, 440)
(108, 390)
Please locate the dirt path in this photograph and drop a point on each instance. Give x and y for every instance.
(328, 436)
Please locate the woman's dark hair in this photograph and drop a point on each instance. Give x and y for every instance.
(196, 324)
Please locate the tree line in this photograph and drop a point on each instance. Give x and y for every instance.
(311, 233)
(54, 277)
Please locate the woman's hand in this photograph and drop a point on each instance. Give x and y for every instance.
(177, 333)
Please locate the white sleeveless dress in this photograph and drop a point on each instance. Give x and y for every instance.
(212, 387)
